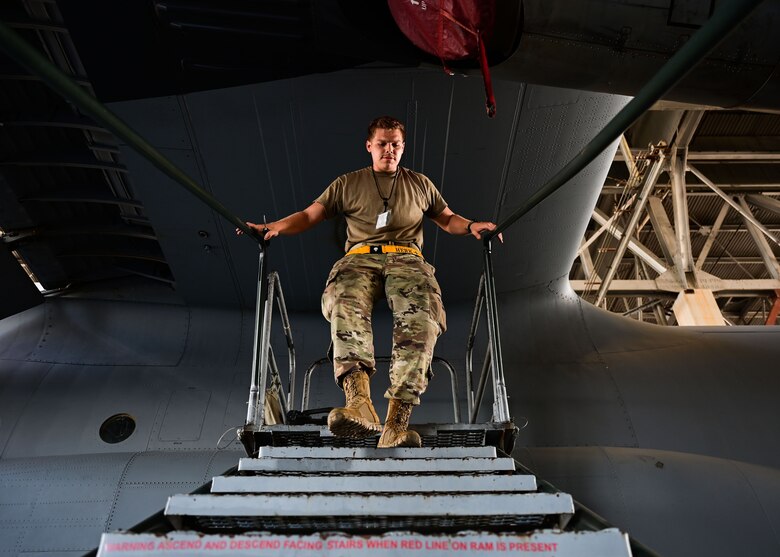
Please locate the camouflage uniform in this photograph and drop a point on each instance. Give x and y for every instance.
(355, 282)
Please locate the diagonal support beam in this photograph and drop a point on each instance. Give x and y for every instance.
(663, 229)
(627, 155)
(634, 246)
(763, 246)
(705, 250)
(666, 237)
(650, 179)
(587, 264)
(684, 259)
(606, 224)
(688, 127)
(747, 215)
(658, 310)
(769, 203)
(678, 164)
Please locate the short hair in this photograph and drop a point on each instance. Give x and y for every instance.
(386, 123)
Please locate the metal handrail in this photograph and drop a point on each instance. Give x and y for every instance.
(276, 382)
(259, 357)
(470, 347)
(307, 381)
(436, 359)
(282, 306)
(269, 289)
(500, 396)
(486, 295)
(483, 375)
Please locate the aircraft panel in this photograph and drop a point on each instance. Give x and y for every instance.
(60, 503)
(23, 331)
(728, 402)
(20, 381)
(668, 388)
(217, 336)
(184, 415)
(147, 477)
(71, 424)
(89, 333)
(728, 507)
(582, 390)
(561, 122)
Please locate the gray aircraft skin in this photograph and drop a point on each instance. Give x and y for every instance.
(671, 434)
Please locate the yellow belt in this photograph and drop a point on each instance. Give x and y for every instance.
(384, 248)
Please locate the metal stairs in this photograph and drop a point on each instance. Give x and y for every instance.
(345, 501)
(305, 492)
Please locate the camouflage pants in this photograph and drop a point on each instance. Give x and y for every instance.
(355, 282)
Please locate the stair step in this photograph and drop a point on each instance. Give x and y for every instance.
(433, 435)
(325, 512)
(281, 483)
(604, 543)
(366, 452)
(375, 466)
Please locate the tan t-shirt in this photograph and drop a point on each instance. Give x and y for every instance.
(355, 196)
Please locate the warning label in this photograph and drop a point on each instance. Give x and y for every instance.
(548, 542)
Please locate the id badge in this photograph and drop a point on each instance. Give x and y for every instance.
(383, 219)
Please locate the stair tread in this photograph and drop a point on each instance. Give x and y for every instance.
(374, 453)
(352, 483)
(366, 465)
(379, 505)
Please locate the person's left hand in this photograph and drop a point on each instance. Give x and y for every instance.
(263, 230)
(477, 228)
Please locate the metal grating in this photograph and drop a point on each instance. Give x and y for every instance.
(314, 439)
(442, 438)
(371, 524)
(739, 123)
(467, 438)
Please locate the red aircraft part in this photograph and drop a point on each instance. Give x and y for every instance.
(451, 30)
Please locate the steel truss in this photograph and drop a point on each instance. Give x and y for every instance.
(675, 238)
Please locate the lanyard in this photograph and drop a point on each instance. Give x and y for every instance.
(392, 188)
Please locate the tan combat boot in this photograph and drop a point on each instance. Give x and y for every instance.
(395, 432)
(357, 419)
